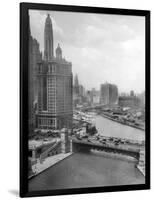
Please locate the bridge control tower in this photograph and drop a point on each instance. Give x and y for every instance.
(65, 142)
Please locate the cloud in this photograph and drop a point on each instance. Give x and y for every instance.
(101, 47)
(135, 45)
(101, 34)
(57, 29)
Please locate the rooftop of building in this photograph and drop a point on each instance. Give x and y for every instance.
(56, 60)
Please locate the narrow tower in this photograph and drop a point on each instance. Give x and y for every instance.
(76, 84)
(58, 52)
(48, 39)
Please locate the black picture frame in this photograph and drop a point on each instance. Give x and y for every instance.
(24, 7)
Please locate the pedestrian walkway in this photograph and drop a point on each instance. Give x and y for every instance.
(42, 165)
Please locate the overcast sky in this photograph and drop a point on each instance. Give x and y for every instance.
(102, 48)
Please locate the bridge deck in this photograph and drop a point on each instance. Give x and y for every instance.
(124, 147)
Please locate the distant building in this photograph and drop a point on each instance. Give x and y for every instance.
(96, 99)
(131, 101)
(89, 97)
(78, 92)
(108, 94)
(81, 91)
(124, 94)
(132, 94)
(142, 99)
(55, 86)
(95, 95)
(76, 97)
(76, 85)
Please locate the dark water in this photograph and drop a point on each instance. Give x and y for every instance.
(87, 170)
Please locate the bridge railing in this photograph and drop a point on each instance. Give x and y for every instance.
(107, 146)
(45, 153)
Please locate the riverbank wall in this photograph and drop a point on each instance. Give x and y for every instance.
(114, 156)
(115, 120)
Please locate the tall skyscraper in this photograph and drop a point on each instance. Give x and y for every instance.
(55, 86)
(76, 85)
(108, 94)
(78, 92)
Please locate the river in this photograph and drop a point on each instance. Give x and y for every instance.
(90, 170)
(86, 170)
(111, 128)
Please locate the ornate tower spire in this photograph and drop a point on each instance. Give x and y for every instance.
(58, 52)
(76, 81)
(48, 39)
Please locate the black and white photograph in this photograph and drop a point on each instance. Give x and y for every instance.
(86, 100)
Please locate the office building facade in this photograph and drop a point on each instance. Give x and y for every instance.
(108, 94)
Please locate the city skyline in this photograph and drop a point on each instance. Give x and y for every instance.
(110, 47)
(106, 82)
